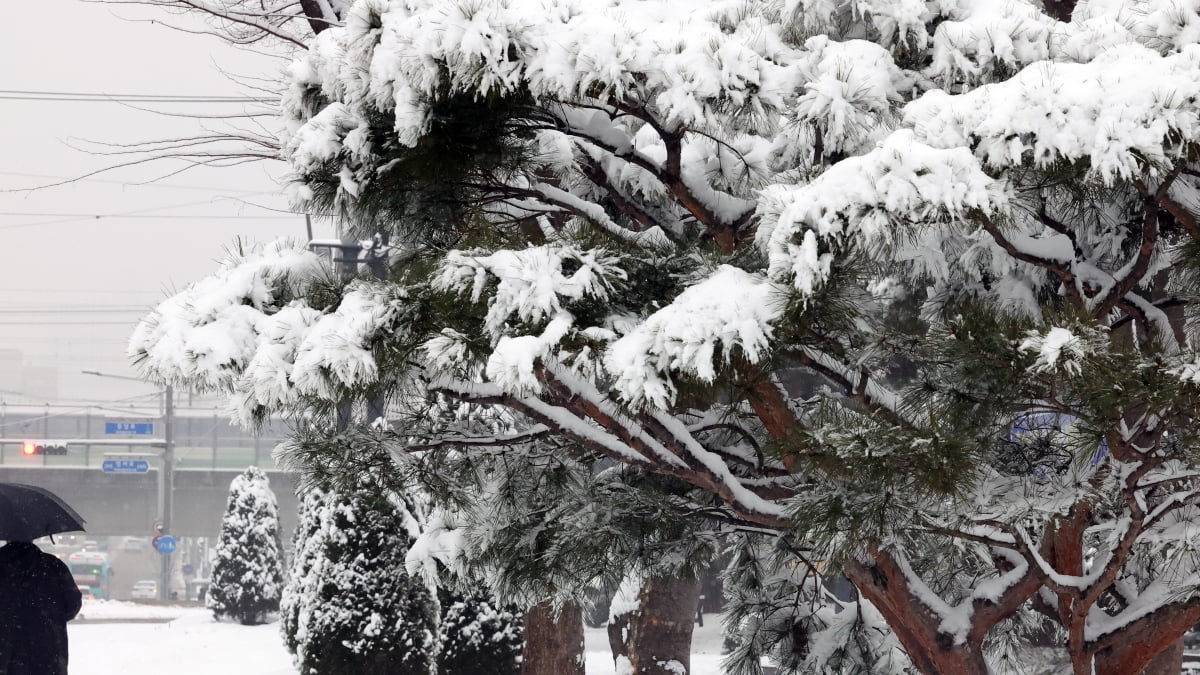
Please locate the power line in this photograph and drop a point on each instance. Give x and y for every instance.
(4, 323)
(96, 216)
(133, 213)
(100, 97)
(149, 184)
(32, 92)
(81, 310)
(105, 291)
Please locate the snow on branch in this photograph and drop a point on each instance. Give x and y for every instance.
(680, 58)
(532, 284)
(1128, 112)
(208, 333)
(730, 313)
(869, 200)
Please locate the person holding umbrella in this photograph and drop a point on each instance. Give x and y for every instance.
(38, 596)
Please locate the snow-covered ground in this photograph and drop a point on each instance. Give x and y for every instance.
(193, 644)
(116, 610)
(706, 649)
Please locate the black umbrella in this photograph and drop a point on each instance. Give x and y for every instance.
(28, 512)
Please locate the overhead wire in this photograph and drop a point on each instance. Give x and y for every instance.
(75, 410)
(138, 213)
(97, 216)
(101, 97)
(146, 184)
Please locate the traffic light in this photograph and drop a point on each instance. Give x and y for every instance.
(33, 448)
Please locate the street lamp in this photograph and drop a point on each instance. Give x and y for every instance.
(166, 477)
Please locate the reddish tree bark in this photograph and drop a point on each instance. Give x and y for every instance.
(659, 631)
(915, 625)
(1168, 662)
(553, 643)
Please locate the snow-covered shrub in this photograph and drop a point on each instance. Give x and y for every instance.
(299, 581)
(361, 613)
(478, 635)
(246, 575)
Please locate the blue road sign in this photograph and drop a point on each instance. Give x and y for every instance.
(166, 544)
(125, 466)
(131, 428)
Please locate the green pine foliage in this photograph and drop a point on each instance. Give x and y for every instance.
(246, 577)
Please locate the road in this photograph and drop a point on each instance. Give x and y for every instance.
(130, 567)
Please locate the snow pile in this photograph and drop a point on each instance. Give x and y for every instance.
(116, 610)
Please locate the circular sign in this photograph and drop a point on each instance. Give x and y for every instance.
(165, 544)
(188, 570)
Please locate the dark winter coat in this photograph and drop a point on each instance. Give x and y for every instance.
(37, 599)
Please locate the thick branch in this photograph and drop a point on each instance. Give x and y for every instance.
(1065, 275)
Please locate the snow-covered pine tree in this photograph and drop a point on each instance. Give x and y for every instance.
(477, 634)
(907, 285)
(246, 575)
(299, 588)
(364, 614)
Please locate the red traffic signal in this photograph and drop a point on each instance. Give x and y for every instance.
(33, 448)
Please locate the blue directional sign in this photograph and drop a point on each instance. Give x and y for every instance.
(130, 428)
(125, 466)
(166, 544)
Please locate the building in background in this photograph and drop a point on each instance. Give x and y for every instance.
(21, 382)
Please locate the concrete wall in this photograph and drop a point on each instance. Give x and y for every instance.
(127, 504)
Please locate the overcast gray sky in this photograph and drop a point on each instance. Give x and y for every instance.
(99, 275)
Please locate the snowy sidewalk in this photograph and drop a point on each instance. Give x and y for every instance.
(192, 644)
(117, 638)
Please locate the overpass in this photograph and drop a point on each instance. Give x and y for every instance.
(127, 504)
(209, 453)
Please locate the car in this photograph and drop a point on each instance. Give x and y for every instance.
(91, 545)
(86, 592)
(146, 589)
(134, 544)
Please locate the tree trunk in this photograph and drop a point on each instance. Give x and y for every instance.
(553, 644)
(655, 637)
(620, 615)
(1168, 662)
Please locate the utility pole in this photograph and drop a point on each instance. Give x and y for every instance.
(166, 486)
(166, 472)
